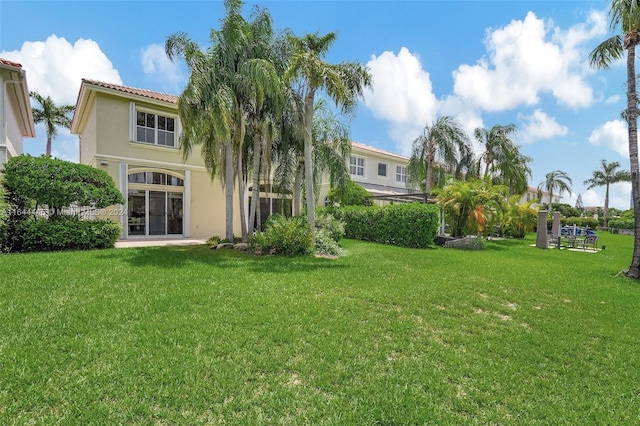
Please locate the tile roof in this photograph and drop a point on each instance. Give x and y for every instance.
(164, 97)
(10, 63)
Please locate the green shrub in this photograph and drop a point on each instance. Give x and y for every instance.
(288, 236)
(622, 223)
(407, 225)
(67, 233)
(332, 226)
(579, 221)
(325, 244)
(214, 241)
(351, 195)
(59, 184)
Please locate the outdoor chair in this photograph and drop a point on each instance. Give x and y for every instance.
(590, 241)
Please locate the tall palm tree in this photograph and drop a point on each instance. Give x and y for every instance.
(607, 175)
(344, 83)
(443, 142)
(502, 160)
(51, 115)
(556, 182)
(225, 82)
(625, 16)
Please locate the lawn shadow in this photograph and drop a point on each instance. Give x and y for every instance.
(171, 257)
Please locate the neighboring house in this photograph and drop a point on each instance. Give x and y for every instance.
(382, 173)
(15, 110)
(133, 134)
(534, 194)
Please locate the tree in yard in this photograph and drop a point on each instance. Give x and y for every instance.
(443, 142)
(502, 160)
(625, 16)
(580, 204)
(344, 83)
(225, 82)
(608, 174)
(556, 182)
(52, 115)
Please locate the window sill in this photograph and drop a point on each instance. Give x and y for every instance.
(154, 146)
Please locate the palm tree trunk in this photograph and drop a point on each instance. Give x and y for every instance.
(634, 269)
(48, 148)
(606, 206)
(297, 192)
(308, 159)
(242, 185)
(228, 190)
(255, 175)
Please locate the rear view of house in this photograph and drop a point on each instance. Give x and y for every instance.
(133, 134)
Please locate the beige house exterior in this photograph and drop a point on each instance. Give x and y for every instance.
(381, 173)
(15, 110)
(532, 194)
(133, 134)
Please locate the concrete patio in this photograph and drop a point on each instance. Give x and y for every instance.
(157, 242)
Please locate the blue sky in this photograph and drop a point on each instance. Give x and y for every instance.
(482, 62)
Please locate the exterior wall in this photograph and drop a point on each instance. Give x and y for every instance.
(13, 141)
(106, 144)
(532, 194)
(371, 180)
(16, 120)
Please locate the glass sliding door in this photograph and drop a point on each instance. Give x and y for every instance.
(174, 213)
(137, 212)
(157, 212)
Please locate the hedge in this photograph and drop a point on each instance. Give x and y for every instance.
(406, 225)
(67, 233)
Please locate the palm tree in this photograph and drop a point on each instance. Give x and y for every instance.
(503, 162)
(225, 82)
(556, 181)
(443, 142)
(625, 15)
(344, 83)
(52, 116)
(607, 175)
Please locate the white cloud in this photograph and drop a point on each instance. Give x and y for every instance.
(539, 125)
(612, 134)
(612, 99)
(590, 198)
(527, 58)
(402, 95)
(620, 195)
(56, 67)
(157, 65)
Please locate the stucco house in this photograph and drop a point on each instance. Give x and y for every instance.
(133, 134)
(382, 173)
(15, 110)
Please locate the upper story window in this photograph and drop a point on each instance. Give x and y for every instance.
(155, 129)
(356, 166)
(401, 174)
(382, 169)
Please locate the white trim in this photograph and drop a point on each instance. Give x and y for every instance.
(124, 181)
(142, 162)
(186, 204)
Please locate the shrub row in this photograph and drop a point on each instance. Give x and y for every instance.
(579, 221)
(66, 233)
(623, 223)
(407, 225)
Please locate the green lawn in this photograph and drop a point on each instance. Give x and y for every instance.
(381, 336)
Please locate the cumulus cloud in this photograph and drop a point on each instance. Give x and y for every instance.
(590, 198)
(612, 134)
(157, 65)
(55, 67)
(539, 126)
(612, 99)
(527, 58)
(402, 95)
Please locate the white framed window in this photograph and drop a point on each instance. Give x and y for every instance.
(153, 128)
(382, 169)
(401, 174)
(356, 166)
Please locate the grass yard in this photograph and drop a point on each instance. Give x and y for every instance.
(381, 336)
